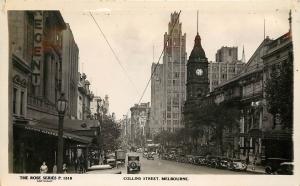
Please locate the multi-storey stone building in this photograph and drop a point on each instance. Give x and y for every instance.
(156, 114)
(174, 75)
(225, 67)
(70, 54)
(85, 96)
(139, 122)
(259, 136)
(227, 54)
(36, 75)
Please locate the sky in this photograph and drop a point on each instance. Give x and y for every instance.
(133, 29)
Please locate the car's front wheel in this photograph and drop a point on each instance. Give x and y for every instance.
(268, 170)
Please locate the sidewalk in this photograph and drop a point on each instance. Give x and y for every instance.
(256, 169)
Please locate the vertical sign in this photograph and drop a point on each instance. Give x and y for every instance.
(37, 48)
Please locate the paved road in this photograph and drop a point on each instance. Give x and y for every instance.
(158, 166)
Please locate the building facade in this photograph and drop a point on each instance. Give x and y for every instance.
(156, 114)
(222, 72)
(225, 67)
(70, 54)
(95, 106)
(35, 59)
(139, 120)
(174, 75)
(227, 54)
(260, 136)
(85, 97)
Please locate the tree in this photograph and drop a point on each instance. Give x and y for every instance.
(279, 91)
(110, 133)
(216, 117)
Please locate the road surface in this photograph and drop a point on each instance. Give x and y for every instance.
(158, 166)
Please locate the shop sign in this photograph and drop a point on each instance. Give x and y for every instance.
(37, 48)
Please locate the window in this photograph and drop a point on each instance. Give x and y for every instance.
(22, 104)
(168, 115)
(15, 100)
(175, 115)
(176, 74)
(229, 52)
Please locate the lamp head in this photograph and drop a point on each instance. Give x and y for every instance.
(62, 104)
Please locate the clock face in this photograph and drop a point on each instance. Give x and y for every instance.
(199, 72)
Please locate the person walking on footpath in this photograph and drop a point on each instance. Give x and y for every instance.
(65, 168)
(54, 170)
(43, 168)
(254, 163)
(76, 165)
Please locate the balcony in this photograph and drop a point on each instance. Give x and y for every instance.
(41, 104)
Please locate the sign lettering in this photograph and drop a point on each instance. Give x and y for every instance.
(37, 48)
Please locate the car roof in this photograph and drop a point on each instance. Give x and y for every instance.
(287, 163)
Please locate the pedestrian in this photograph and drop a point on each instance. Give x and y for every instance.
(254, 163)
(76, 164)
(65, 168)
(54, 170)
(43, 168)
(247, 160)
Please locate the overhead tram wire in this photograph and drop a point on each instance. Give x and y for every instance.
(159, 59)
(114, 53)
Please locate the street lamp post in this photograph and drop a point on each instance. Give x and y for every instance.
(61, 108)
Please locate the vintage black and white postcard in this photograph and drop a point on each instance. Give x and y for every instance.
(114, 92)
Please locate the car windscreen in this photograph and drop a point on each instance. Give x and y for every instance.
(133, 158)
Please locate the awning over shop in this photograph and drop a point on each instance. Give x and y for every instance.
(54, 132)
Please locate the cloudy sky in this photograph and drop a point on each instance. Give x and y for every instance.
(134, 28)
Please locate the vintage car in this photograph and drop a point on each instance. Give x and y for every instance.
(150, 156)
(199, 160)
(145, 154)
(272, 164)
(133, 163)
(286, 168)
(224, 163)
(237, 164)
(102, 169)
(111, 162)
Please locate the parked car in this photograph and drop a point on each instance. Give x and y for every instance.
(150, 156)
(210, 161)
(272, 164)
(286, 168)
(190, 159)
(133, 163)
(200, 160)
(111, 162)
(224, 163)
(102, 169)
(237, 164)
(145, 154)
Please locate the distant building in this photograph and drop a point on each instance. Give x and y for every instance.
(226, 66)
(85, 96)
(156, 114)
(95, 106)
(219, 72)
(174, 75)
(139, 119)
(70, 54)
(227, 54)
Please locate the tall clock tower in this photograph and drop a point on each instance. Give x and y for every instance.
(197, 85)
